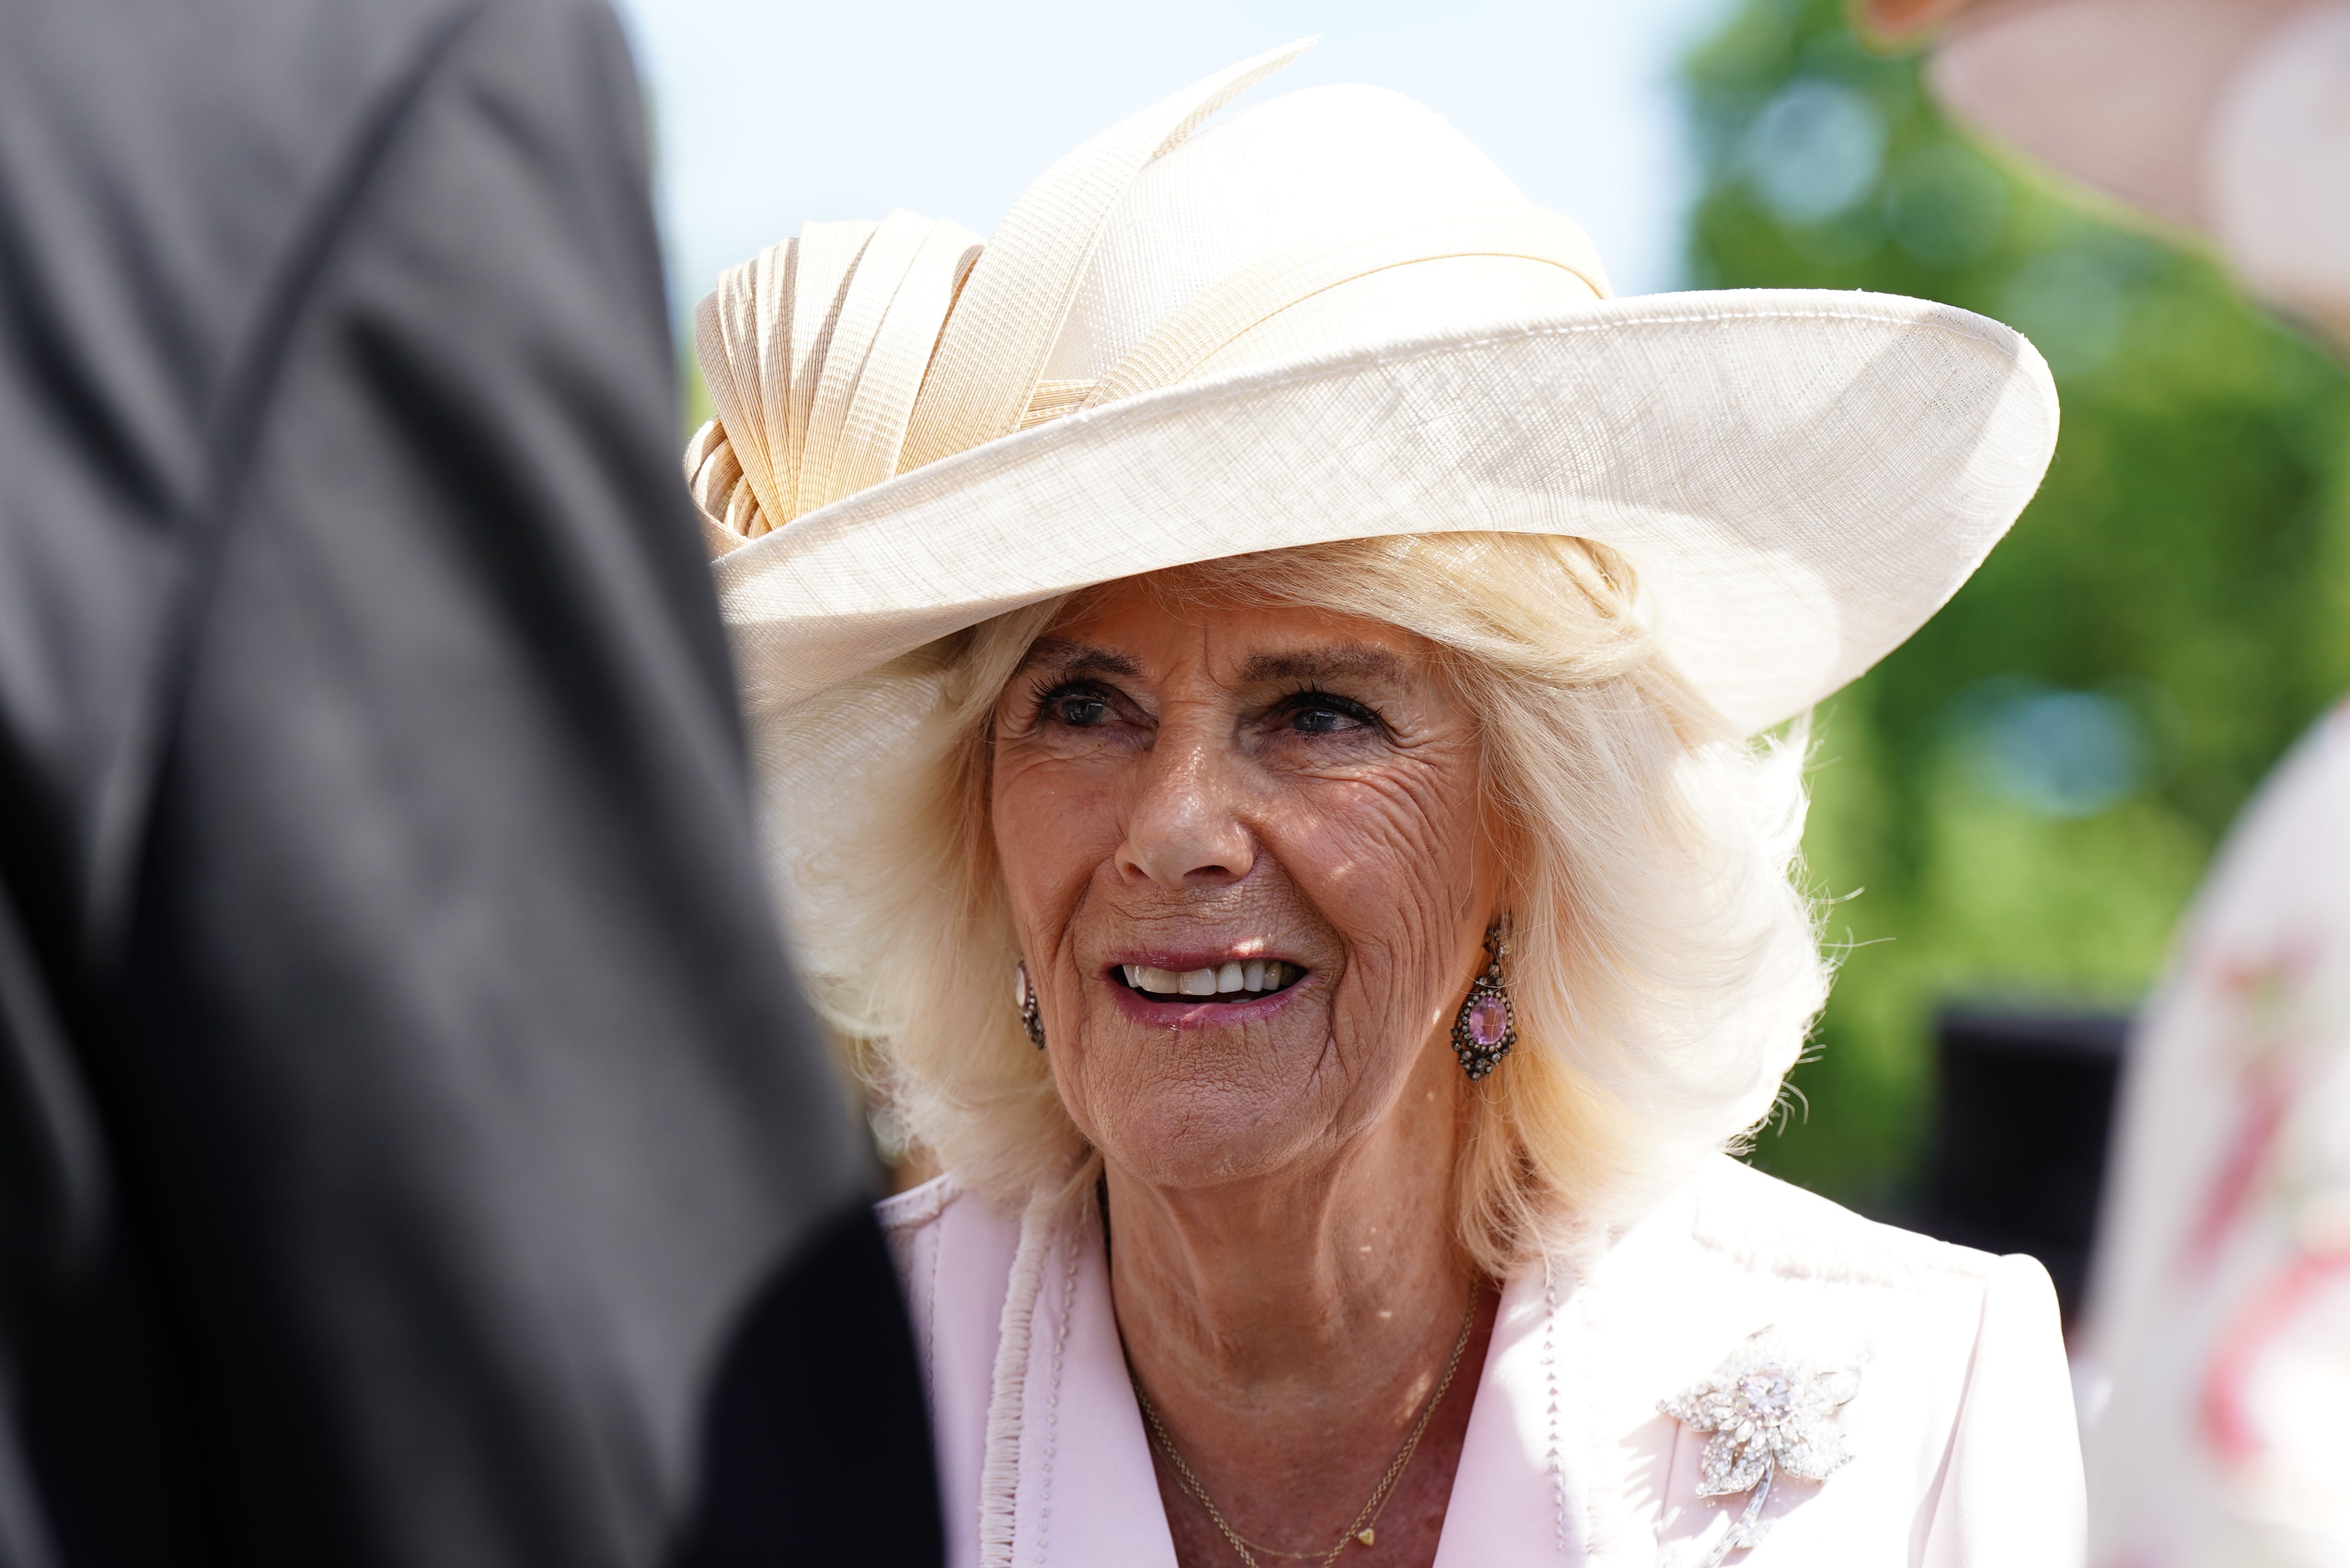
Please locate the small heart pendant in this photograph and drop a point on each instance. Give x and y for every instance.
(1365, 1536)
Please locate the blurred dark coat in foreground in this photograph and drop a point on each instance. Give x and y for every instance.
(411, 1151)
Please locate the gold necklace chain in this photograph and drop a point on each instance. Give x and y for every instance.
(1367, 1515)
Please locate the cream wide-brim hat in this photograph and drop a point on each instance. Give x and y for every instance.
(2225, 118)
(1328, 319)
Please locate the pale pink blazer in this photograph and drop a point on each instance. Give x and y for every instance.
(1963, 1437)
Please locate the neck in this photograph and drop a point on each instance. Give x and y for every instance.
(1305, 1313)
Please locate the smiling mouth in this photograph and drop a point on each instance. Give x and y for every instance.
(1231, 981)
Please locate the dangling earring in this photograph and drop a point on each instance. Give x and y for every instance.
(1024, 997)
(1485, 1028)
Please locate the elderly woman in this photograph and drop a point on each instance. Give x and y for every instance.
(1270, 776)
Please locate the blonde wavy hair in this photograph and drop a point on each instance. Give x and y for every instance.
(1664, 965)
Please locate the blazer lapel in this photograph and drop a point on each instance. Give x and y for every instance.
(1088, 1494)
(1517, 1499)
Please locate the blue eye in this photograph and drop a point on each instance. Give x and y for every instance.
(1319, 714)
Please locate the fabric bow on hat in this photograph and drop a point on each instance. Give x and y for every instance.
(858, 350)
(839, 358)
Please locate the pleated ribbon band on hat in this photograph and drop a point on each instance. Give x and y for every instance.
(912, 340)
(858, 350)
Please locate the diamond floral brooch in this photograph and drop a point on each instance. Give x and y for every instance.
(1768, 1413)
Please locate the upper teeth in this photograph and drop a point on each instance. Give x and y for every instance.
(1256, 974)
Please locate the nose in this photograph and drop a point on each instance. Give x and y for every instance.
(1186, 830)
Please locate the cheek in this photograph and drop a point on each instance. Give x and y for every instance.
(1053, 824)
(1391, 863)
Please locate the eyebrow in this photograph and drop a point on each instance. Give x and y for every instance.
(1069, 660)
(1316, 664)
(1072, 661)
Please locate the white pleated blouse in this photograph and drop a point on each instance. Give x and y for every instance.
(1959, 1428)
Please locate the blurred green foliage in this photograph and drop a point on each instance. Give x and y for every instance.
(2019, 802)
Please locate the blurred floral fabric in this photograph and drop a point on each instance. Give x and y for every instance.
(2215, 1372)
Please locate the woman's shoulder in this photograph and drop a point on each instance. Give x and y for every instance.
(917, 1207)
(940, 1214)
(1758, 1223)
(1735, 1246)
(942, 1233)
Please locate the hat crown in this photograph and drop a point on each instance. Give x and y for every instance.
(1315, 223)
(1308, 164)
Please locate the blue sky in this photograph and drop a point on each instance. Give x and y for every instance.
(771, 112)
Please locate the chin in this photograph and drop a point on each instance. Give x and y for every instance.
(1187, 1125)
(1206, 1158)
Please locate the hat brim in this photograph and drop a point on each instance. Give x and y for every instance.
(1798, 479)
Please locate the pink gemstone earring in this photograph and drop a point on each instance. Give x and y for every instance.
(1024, 997)
(1485, 1028)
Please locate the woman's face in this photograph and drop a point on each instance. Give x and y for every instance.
(1186, 791)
